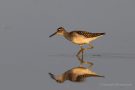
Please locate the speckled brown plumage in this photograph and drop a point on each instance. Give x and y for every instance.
(87, 34)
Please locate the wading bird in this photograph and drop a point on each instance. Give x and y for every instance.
(78, 37)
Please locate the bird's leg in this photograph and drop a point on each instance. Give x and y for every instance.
(90, 47)
(80, 60)
(81, 50)
(90, 64)
(84, 62)
(82, 54)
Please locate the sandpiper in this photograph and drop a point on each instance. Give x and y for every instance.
(76, 74)
(78, 37)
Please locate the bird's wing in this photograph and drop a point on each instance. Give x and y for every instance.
(87, 34)
(80, 77)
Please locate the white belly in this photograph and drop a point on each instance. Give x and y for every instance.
(80, 41)
(83, 40)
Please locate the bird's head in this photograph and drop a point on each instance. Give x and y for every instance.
(58, 79)
(60, 31)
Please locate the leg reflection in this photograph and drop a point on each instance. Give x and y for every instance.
(84, 62)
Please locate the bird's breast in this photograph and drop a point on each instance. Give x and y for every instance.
(80, 40)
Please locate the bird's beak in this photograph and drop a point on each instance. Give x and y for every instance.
(53, 34)
(52, 76)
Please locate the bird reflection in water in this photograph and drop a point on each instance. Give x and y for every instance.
(76, 74)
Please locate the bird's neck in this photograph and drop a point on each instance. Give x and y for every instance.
(61, 78)
(65, 76)
(67, 35)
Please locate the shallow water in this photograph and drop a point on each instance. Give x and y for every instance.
(28, 73)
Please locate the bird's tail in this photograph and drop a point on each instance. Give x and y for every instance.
(97, 34)
(102, 33)
(98, 76)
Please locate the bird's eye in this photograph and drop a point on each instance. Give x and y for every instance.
(59, 30)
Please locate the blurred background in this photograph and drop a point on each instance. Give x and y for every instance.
(27, 54)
